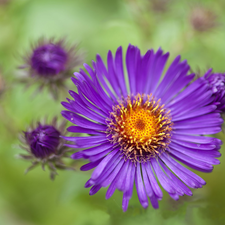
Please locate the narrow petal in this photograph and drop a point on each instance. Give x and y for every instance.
(140, 187)
(189, 145)
(86, 112)
(143, 68)
(90, 165)
(197, 112)
(175, 180)
(114, 175)
(204, 156)
(153, 180)
(191, 179)
(102, 72)
(77, 129)
(196, 139)
(125, 203)
(94, 189)
(98, 149)
(174, 196)
(80, 121)
(119, 71)
(97, 172)
(108, 170)
(111, 74)
(130, 181)
(83, 101)
(177, 86)
(147, 183)
(163, 179)
(131, 64)
(121, 180)
(154, 201)
(191, 161)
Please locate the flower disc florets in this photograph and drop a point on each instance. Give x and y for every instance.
(141, 126)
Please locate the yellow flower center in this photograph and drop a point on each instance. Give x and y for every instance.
(141, 126)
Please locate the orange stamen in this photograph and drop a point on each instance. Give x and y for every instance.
(141, 127)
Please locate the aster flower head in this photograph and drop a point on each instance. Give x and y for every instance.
(139, 131)
(216, 82)
(203, 19)
(44, 145)
(50, 63)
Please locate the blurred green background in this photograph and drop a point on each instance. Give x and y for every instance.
(99, 25)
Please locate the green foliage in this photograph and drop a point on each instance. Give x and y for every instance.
(98, 25)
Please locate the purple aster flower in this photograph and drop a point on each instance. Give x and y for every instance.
(50, 63)
(139, 130)
(216, 82)
(45, 146)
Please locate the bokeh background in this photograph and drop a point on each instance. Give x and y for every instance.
(194, 29)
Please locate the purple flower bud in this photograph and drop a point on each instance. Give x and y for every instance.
(49, 64)
(45, 147)
(217, 84)
(43, 140)
(49, 59)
